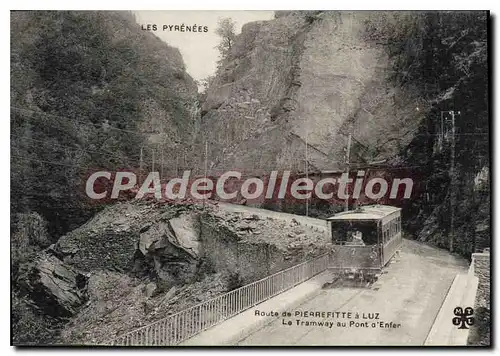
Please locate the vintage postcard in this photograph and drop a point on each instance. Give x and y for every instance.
(250, 178)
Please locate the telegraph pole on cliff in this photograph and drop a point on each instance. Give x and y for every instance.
(140, 168)
(206, 166)
(153, 166)
(307, 174)
(347, 157)
(453, 175)
(161, 162)
(453, 180)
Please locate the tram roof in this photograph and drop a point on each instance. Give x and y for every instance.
(367, 212)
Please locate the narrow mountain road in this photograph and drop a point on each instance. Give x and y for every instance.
(304, 220)
(409, 294)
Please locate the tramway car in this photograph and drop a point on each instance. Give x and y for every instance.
(365, 239)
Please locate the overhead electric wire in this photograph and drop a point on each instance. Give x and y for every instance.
(76, 120)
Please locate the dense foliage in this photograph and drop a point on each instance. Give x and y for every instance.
(443, 56)
(86, 89)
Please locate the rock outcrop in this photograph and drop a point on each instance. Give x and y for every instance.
(176, 244)
(163, 258)
(56, 288)
(135, 237)
(307, 77)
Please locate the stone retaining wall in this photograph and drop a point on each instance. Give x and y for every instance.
(480, 332)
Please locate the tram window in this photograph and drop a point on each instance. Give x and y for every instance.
(357, 233)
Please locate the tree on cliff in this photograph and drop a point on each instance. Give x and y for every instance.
(226, 30)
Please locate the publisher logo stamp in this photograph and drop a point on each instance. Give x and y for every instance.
(463, 317)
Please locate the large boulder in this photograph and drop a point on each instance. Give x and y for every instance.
(173, 246)
(182, 232)
(108, 241)
(136, 237)
(186, 233)
(58, 289)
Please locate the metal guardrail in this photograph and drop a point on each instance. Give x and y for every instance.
(178, 327)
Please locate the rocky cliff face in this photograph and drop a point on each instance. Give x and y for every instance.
(306, 77)
(314, 77)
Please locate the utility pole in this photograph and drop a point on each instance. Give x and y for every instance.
(153, 167)
(441, 132)
(206, 166)
(307, 173)
(162, 157)
(453, 180)
(347, 157)
(140, 168)
(177, 165)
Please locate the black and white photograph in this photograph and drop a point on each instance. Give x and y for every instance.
(250, 178)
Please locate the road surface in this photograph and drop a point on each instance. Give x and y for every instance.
(409, 294)
(304, 220)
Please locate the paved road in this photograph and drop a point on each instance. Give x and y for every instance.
(409, 292)
(318, 223)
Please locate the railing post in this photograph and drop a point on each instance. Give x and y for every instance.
(184, 326)
(200, 327)
(216, 308)
(175, 329)
(239, 300)
(162, 334)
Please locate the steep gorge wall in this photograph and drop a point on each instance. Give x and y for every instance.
(90, 91)
(306, 76)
